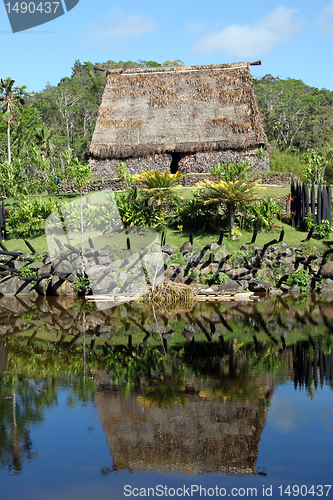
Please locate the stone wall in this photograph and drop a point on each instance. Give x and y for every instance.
(108, 168)
(95, 185)
(191, 163)
(203, 162)
(189, 180)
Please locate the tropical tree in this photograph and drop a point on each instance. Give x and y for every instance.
(11, 99)
(315, 165)
(231, 194)
(294, 114)
(159, 187)
(44, 140)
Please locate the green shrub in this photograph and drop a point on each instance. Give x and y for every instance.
(286, 161)
(260, 214)
(192, 214)
(230, 171)
(28, 215)
(135, 212)
(323, 230)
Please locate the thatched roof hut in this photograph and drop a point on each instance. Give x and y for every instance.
(181, 117)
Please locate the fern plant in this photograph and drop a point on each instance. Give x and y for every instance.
(232, 194)
(159, 187)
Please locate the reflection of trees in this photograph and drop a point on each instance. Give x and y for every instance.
(35, 375)
(129, 365)
(312, 365)
(24, 404)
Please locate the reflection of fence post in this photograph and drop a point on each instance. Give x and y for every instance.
(3, 358)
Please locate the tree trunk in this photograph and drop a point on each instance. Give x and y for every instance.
(81, 220)
(232, 221)
(8, 142)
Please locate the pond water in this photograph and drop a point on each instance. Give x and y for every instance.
(228, 399)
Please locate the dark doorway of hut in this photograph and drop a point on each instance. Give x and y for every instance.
(176, 157)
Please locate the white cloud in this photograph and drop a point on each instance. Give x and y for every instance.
(254, 39)
(119, 30)
(326, 20)
(284, 415)
(196, 29)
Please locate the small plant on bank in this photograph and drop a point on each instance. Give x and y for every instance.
(25, 272)
(213, 278)
(241, 257)
(299, 278)
(177, 258)
(81, 282)
(323, 230)
(308, 221)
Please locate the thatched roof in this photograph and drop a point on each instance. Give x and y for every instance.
(181, 109)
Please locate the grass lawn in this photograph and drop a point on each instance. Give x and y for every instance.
(274, 191)
(176, 238)
(264, 192)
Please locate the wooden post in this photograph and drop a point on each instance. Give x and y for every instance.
(329, 203)
(319, 204)
(313, 203)
(303, 206)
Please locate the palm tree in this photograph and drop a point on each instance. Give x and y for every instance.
(44, 140)
(11, 99)
(232, 194)
(159, 187)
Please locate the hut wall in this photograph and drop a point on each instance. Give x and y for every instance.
(186, 163)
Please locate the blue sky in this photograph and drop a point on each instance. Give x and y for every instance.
(293, 38)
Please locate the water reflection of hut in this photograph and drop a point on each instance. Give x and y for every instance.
(201, 435)
(3, 358)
